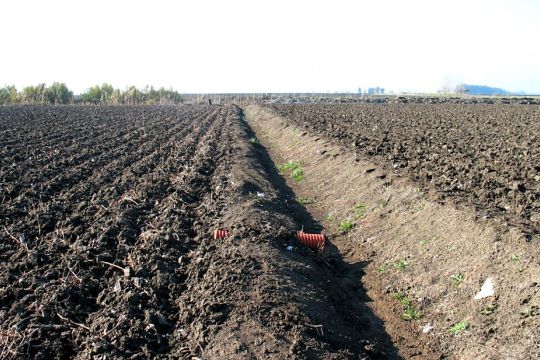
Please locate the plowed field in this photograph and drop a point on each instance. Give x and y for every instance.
(106, 247)
(483, 154)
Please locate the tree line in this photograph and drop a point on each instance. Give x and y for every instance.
(59, 93)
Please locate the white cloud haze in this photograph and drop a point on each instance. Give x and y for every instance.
(274, 46)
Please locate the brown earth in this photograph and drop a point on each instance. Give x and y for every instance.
(433, 256)
(348, 98)
(487, 156)
(106, 223)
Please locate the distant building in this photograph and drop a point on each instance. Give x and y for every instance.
(371, 91)
(375, 91)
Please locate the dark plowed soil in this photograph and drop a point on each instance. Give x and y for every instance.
(382, 99)
(484, 155)
(106, 248)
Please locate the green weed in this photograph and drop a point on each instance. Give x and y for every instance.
(487, 310)
(459, 327)
(359, 211)
(289, 165)
(409, 312)
(402, 298)
(297, 173)
(515, 258)
(305, 201)
(345, 226)
(254, 141)
(427, 241)
(292, 165)
(530, 311)
(295, 143)
(457, 279)
(401, 264)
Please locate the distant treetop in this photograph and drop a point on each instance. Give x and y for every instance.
(58, 93)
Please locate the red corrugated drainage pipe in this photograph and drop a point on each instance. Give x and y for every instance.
(220, 234)
(314, 241)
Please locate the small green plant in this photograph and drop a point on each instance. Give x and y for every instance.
(345, 226)
(402, 298)
(289, 165)
(488, 310)
(297, 173)
(401, 264)
(382, 268)
(295, 143)
(457, 279)
(427, 241)
(305, 201)
(530, 311)
(515, 258)
(359, 211)
(254, 141)
(459, 327)
(328, 216)
(410, 314)
(422, 205)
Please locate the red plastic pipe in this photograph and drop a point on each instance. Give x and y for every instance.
(313, 241)
(220, 234)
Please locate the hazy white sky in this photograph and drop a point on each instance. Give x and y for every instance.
(271, 46)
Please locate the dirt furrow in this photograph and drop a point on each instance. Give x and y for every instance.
(101, 143)
(83, 264)
(154, 259)
(119, 161)
(424, 262)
